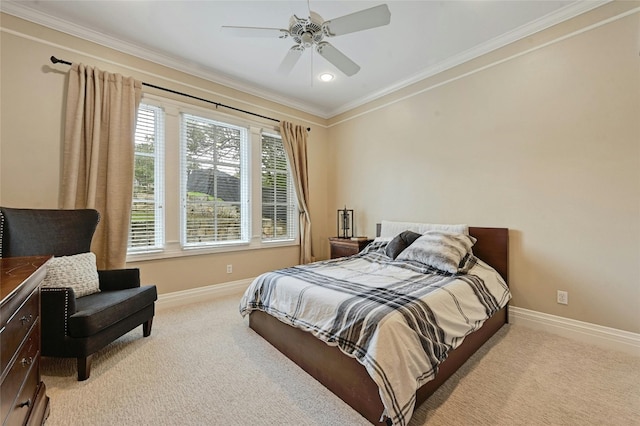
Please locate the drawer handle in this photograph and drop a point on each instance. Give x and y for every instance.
(26, 361)
(26, 319)
(27, 403)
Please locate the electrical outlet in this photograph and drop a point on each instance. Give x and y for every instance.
(229, 269)
(563, 297)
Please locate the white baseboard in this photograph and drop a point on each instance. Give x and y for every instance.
(606, 337)
(200, 294)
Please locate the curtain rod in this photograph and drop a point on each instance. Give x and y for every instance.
(217, 104)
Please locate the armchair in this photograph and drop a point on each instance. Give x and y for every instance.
(77, 327)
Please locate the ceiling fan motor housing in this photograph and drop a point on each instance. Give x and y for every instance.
(306, 32)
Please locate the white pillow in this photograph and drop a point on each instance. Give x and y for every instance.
(389, 229)
(439, 249)
(78, 272)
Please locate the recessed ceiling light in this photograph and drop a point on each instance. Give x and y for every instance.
(326, 76)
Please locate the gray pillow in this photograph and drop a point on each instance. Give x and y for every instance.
(441, 250)
(400, 242)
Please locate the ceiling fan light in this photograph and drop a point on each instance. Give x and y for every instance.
(326, 76)
(307, 39)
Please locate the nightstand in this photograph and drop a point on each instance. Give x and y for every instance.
(341, 247)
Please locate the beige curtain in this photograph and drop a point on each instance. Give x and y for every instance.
(294, 139)
(98, 161)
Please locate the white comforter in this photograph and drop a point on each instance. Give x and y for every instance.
(399, 319)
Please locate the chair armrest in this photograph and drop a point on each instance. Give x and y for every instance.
(119, 279)
(57, 305)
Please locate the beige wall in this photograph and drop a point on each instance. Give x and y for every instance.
(31, 132)
(542, 137)
(546, 143)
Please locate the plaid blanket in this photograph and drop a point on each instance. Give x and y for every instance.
(399, 319)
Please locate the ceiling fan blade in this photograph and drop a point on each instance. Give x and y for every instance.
(291, 59)
(255, 32)
(337, 58)
(368, 18)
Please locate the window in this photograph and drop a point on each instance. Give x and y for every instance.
(214, 182)
(207, 182)
(146, 229)
(279, 205)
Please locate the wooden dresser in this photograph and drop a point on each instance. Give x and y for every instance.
(23, 399)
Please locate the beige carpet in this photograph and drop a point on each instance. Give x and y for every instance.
(202, 365)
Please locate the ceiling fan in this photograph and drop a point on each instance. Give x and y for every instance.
(311, 31)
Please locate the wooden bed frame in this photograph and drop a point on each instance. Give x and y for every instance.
(346, 377)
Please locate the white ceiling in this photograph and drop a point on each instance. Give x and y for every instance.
(423, 38)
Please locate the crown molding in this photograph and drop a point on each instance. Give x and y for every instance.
(29, 14)
(23, 11)
(570, 11)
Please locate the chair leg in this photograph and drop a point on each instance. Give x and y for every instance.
(84, 367)
(146, 327)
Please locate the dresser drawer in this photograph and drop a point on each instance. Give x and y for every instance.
(17, 327)
(21, 382)
(342, 251)
(25, 400)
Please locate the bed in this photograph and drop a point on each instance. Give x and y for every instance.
(359, 386)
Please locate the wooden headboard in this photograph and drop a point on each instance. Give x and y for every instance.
(492, 247)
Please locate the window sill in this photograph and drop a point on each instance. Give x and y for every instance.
(174, 250)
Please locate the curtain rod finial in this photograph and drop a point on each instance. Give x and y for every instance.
(59, 61)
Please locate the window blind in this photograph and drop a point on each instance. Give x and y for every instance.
(279, 204)
(147, 214)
